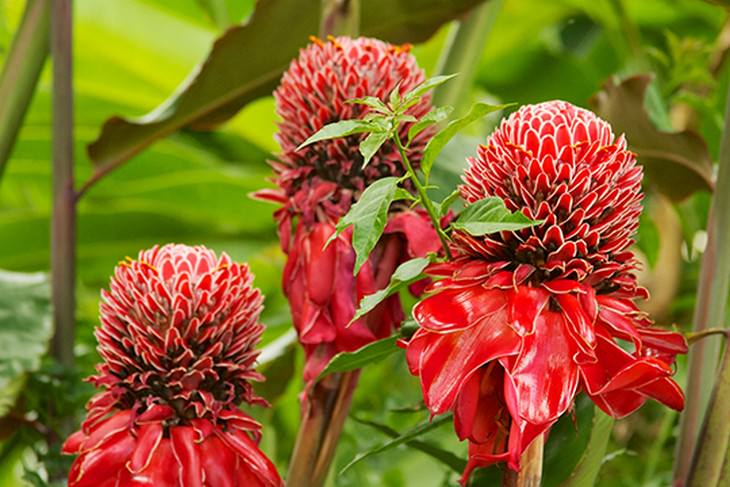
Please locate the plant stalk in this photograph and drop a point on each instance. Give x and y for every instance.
(530, 474)
(22, 68)
(63, 224)
(710, 310)
(425, 200)
(461, 54)
(340, 17)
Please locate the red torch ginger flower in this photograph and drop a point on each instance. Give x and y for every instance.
(178, 333)
(522, 321)
(319, 183)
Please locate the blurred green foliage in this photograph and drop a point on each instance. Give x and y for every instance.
(193, 188)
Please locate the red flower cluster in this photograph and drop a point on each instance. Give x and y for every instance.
(178, 333)
(318, 184)
(522, 321)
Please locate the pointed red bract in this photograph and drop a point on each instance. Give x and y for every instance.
(178, 333)
(318, 184)
(521, 321)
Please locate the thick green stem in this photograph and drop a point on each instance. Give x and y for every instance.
(425, 200)
(340, 17)
(64, 200)
(22, 68)
(461, 54)
(710, 310)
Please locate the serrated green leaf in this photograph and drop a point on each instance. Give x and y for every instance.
(427, 86)
(25, 330)
(371, 144)
(590, 464)
(343, 128)
(446, 457)
(372, 352)
(372, 101)
(435, 145)
(436, 115)
(409, 435)
(490, 215)
(404, 275)
(368, 217)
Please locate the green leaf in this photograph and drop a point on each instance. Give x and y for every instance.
(677, 163)
(446, 457)
(239, 70)
(371, 144)
(590, 464)
(339, 129)
(448, 201)
(427, 86)
(409, 435)
(277, 362)
(368, 217)
(405, 274)
(648, 238)
(567, 441)
(373, 102)
(490, 215)
(25, 330)
(372, 352)
(435, 145)
(436, 115)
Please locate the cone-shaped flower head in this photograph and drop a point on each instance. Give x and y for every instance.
(178, 333)
(319, 183)
(522, 321)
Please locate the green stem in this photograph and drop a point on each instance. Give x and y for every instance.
(425, 200)
(340, 17)
(710, 309)
(461, 54)
(64, 198)
(23, 66)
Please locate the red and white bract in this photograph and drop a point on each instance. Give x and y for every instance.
(318, 184)
(178, 333)
(522, 321)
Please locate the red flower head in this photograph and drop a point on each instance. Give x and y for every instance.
(522, 321)
(318, 184)
(178, 333)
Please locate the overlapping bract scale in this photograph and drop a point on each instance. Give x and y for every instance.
(520, 322)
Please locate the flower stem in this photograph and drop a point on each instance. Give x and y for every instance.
(22, 68)
(340, 17)
(425, 200)
(530, 474)
(709, 310)
(64, 199)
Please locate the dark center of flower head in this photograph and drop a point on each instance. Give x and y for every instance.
(561, 164)
(315, 91)
(179, 327)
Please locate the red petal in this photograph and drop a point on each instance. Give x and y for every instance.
(451, 310)
(252, 457)
(418, 231)
(149, 437)
(320, 264)
(187, 454)
(219, 463)
(98, 465)
(526, 304)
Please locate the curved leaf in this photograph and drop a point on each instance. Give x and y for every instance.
(238, 70)
(372, 352)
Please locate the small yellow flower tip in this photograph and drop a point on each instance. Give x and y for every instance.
(316, 40)
(149, 266)
(333, 40)
(403, 48)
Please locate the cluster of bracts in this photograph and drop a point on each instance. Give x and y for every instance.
(510, 329)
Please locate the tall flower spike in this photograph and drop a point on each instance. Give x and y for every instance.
(318, 184)
(522, 321)
(178, 333)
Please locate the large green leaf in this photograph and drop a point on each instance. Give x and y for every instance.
(246, 62)
(587, 469)
(490, 215)
(25, 330)
(567, 442)
(678, 163)
(372, 352)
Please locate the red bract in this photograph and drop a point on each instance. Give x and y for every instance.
(178, 333)
(522, 321)
(318, 184)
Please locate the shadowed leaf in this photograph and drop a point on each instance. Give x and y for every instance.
(372, 352)
(678, 163)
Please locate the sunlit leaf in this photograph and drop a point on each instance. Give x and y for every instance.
(590, 463)
(371, 144)
(436, 115)
(427, 86)
(677, 163)
(370, 353)
(490, 215)
(437, 143)
(25, 329)
(405, 274)
(339, 129)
